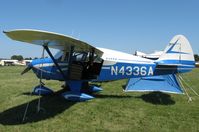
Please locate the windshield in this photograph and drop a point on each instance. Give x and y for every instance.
(62, 56)
(58, 55)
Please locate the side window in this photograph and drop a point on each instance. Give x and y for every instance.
(62, 56)
(97, 59)
(65, 56)
(58, 55)
(80, 56)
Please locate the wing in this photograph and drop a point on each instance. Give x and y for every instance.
(163, 83)
(53, 40)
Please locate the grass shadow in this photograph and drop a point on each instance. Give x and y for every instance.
(102, 96)
(158, 98)
(50, 107)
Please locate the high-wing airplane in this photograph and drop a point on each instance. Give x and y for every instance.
(78, 63)
(153, 56)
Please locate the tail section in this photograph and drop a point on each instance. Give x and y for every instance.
(176, 58)
(178, 53)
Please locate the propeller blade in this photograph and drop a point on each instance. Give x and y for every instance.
(28, 68)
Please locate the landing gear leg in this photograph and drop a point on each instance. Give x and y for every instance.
(42, 90)
(75, 93)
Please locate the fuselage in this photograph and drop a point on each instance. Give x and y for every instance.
(113, 65)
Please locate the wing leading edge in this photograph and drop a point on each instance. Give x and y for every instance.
(52, 40)
(163, 83)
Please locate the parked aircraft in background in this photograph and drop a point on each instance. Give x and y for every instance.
(78, 63)
(154, 56)
(9, 62)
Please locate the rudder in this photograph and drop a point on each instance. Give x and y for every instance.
(178, 53)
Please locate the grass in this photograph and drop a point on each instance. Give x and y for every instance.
(111, 110)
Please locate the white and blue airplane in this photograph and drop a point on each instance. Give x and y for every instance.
(78, 63)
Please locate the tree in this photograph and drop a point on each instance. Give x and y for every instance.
(28, 58)
(17, 57)
(196, 57)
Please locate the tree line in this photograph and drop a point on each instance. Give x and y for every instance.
(20, 58)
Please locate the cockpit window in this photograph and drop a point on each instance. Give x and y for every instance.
(80, 56)
(65, 56)
(58, 55)
(84, 57)
(62, 56)
(77, 56)
(97, 58)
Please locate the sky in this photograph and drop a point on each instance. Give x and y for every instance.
(124, 25)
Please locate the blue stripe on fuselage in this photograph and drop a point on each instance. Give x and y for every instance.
(183, 62)
(48, 69)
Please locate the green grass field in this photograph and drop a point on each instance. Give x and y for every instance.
(111, 110)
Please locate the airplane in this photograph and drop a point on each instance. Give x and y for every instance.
(77, 63)
(8, 62)
(155, 55)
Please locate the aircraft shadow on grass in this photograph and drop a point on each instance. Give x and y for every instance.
(103, 96)
(50, 107)
(157, 98)
(55, 104)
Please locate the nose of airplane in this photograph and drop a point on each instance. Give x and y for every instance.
(28, 68)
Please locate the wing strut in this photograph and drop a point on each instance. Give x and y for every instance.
(55, 62)
(70, 59)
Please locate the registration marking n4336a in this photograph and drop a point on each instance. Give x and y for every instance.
(132, 70)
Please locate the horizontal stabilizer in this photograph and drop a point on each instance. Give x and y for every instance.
(163, 83)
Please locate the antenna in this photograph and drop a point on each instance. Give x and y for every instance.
(72, 33)
(78, 36)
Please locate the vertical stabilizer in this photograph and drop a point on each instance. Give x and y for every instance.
(178, 52)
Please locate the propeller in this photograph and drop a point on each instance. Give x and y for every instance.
(28, 68)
